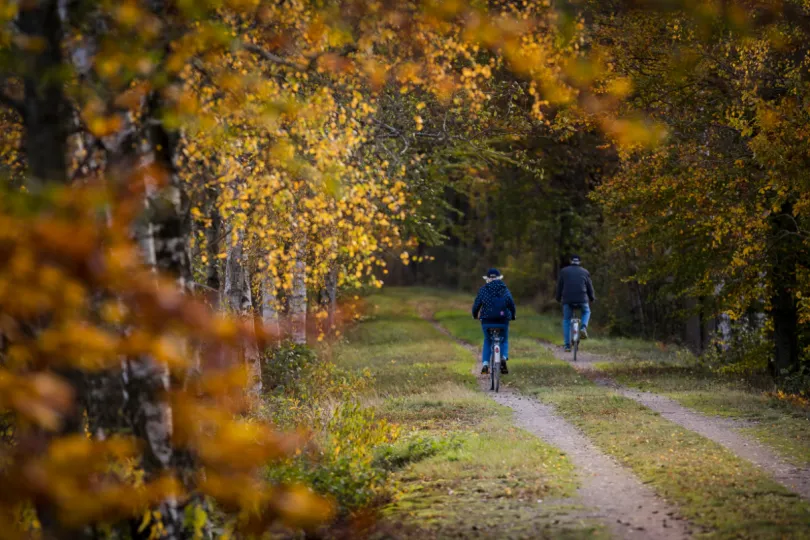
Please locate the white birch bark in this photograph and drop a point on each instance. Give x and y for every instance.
(270, 305)
(240, 301)
(148, 381)
(298, 296)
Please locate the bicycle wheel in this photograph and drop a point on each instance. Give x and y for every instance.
(496, 364)
(491, 367)
(576, 347)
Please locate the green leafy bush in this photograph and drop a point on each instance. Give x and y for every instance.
(340, 462)
(282, 367)
(304, 391)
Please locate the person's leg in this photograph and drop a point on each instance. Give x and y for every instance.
(505, 350)
(567, 311)
(487, 350)
(586, 314)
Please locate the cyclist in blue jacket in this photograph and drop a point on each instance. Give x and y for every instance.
(494, 306)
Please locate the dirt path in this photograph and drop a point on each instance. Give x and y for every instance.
(721, 430)
(617, 497)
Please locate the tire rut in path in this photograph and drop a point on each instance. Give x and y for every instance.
(629, 508)
(720, 430)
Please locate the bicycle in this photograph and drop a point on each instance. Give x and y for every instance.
(495, 359)
(575, 337)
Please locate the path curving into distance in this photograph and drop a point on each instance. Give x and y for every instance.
(617, 498)
(720, 430)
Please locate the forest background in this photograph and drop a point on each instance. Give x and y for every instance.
(190, 184)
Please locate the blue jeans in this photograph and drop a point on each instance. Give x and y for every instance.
(487, 351)
(568, 314)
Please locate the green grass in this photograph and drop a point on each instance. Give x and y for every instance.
(775, 422)
(660, 368)
(547, 327)
(728, 496)
(463, 468)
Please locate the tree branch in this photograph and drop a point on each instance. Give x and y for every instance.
(274, 58)
(311, 60)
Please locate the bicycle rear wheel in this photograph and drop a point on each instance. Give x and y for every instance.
(496, 364)
(576, 347)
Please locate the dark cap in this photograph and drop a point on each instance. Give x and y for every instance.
(575, 259)
(493, 273)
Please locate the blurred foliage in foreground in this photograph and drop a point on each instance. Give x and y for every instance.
(189, 182)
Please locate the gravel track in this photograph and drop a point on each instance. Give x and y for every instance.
(720, 430)
(612, 493)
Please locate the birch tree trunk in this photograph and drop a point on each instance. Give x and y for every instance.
(163, 238)
(240, 300)
(270, 305)
(147, 383)
(298, 296)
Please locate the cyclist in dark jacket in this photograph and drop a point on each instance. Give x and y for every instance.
(494, 307)
(575, 290)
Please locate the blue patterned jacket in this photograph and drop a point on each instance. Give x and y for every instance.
(483, 306)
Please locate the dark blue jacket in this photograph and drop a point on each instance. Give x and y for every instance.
(574, 286)
(484, 302)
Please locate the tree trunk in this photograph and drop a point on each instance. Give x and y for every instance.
(692, 330)
(212, 234)
(784, 307)
(331, 298)
(270, 305)
(237, 291)
(163, 238)
(45, 111)
(709, 331)
(298, 296)
(169, 210)
(638, 307)
(785, 338)
(147, 383)
(240, 301)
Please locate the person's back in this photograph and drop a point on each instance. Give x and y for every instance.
(494, 306)
(575, 291)
(576, 285)
(494, 299)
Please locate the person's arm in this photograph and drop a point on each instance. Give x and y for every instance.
(476, 305)
(559, 288)
(589, 287)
